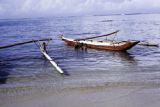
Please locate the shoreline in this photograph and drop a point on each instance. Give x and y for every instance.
(113, 95)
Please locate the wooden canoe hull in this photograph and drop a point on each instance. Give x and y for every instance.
(127, 45)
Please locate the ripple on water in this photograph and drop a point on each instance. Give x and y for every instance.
(25, 66)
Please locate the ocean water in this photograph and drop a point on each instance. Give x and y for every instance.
(24, 66)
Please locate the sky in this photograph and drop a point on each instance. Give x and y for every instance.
(47, 8)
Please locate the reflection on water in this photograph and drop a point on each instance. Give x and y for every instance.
(125, 56)
(4, 71)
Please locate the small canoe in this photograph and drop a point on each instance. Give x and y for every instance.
(102, 45)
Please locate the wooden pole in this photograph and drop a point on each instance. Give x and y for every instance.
(51, 61)
(26, 42)
(98, 36)
(148, 44)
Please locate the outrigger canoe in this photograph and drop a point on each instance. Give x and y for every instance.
(102, 45)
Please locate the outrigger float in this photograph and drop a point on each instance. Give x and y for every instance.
(42, 47)
(102, 45)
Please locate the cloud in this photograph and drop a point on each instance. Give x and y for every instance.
(45, 8)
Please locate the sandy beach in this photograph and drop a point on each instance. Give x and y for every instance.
(108, 95)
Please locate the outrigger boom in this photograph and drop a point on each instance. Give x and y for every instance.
(97, 36)
(25, 42)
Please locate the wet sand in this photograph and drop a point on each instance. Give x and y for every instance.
(109, 95)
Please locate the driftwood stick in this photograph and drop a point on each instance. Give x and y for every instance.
(26, 42)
